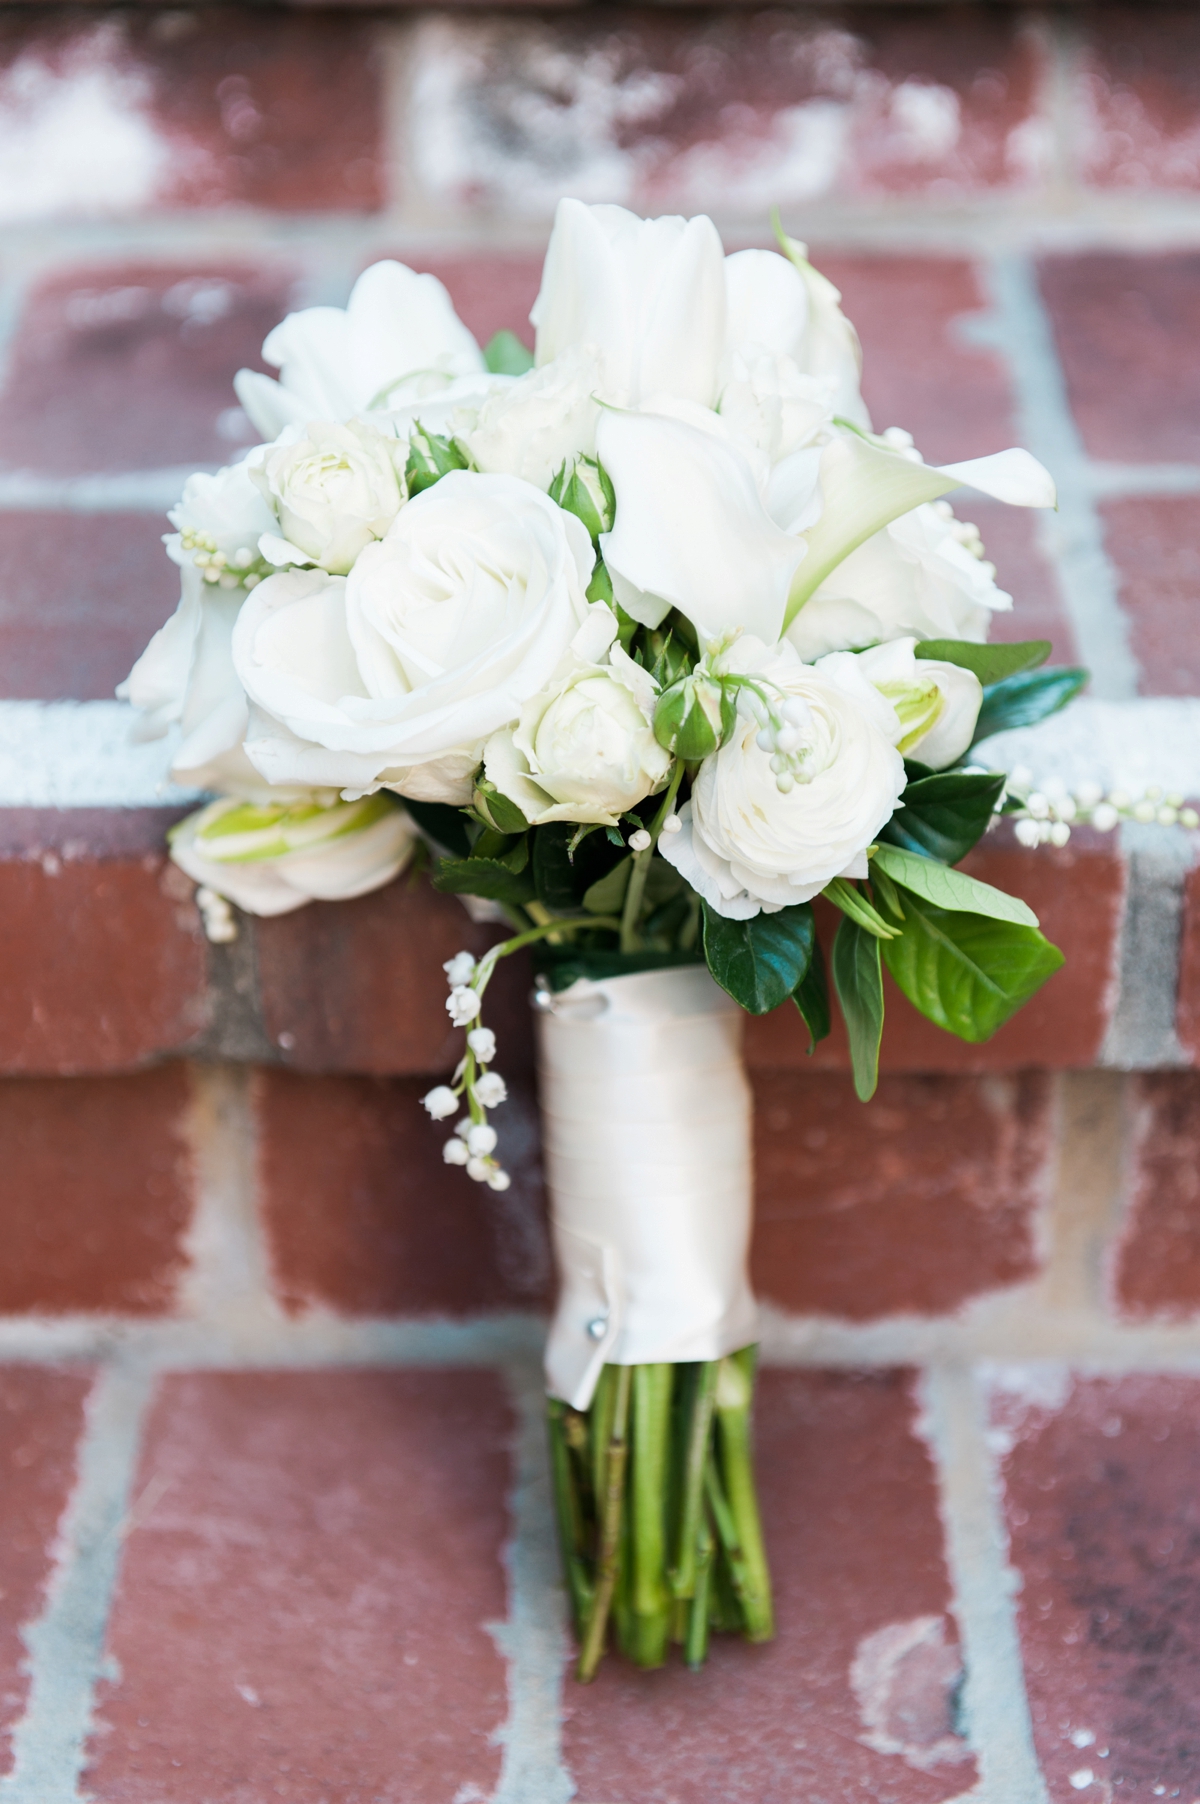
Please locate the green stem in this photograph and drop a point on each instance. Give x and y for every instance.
(610, 1528)
(683, 1579)
(570, 1523)
(651, 1434)
(490, 959)
(735, 1390)
(641, 866)
(695, 1645)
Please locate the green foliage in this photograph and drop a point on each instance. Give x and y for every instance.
(1024, 699)
(600, 589)
(852, 902)
(505, 355)
(966, 972)
(990, 663)
(430, 457)
(858, 980)
(504, 814)
(586, 490)
(811, 996)
(484, 877)
(951, 890)
(444, 825)
(760, 962)
(945, 814)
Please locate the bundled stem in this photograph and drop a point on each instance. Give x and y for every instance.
(657, 1511)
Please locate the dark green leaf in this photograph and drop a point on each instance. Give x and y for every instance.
(811, 996)
(607, 894)
(990, 663)
(507, 817)
(1020, 701)
(505, 355)
(484, 877)
(760, 962)
(564, 964)
(564, 877)
(967, 973)
(600, 588)
(946, 814)
(858, 980)
(509, 849)
(446, 826)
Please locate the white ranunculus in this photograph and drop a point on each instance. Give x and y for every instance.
(397, 339)
(273, 858)
(744, 846)
(398, 674)
(335, 490)
(935, 704)
(789, 309)
(648, 294)
(584, 746)
(531, 428)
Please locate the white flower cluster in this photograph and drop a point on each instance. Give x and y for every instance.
(1047, 815)
(474, 1141)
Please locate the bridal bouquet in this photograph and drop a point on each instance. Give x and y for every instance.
(642, 643)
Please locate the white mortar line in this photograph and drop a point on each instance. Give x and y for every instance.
(66, 1642)
(1073, 538)
(1141, 1033)
(228, 1277)
(1112, 481)
(534, 1638)
(128, 491)
(995, 1705)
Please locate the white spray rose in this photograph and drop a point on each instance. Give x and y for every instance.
(785, 306)
(935, 704)
(275, 857)
(335, 490)
(218, 521)
(397, 339)
(398, 674)
(744, 846)
(531, 428)
(584, 747)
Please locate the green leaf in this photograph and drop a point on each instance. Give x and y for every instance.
(600, 587)
(430, 457)
(760, 962)
(510, 850)
(858, 981)
(965, 972)
(484, 877)
(607, 894)
(990, 663)
(811, 996)
(1022, 700)
(843, 895)
(505, 814)
(555, 875)
(505, 355)
(944, 815)
(952, 890)
(446, 826)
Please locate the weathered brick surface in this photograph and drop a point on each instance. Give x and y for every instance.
(912, 1203)
(96, 1191)
(1138, 95)
(302, 1612)
(490, 292)
(850, 1515)
(363, 1216)
(80, 594)
(1100, 1494)
(1128, 334)
(41, 1413)
(1157, 1264)
(119, 367)
(1155, 544)
(102, 960)
(1188, 1017)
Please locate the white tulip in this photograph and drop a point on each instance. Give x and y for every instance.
(334, 490)
(649, 294)
(398, 674)
(398, 339)
(935, 705)
(273, 858)
(745, 846)
(539, 422)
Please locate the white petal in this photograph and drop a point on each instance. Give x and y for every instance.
(1014, 476)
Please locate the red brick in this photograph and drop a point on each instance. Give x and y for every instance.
(1155, 545)
(102, 960)
(1010, 536)
(363, 1216)
(302, 1612)
(1128, 332)
(1188, 1019)
(1138, 94)
(1157, 1264)
(1105, 1523)
(131, 366)
(359, 986)
(1078, 894)
(80, 594)
(41, 1414)
(277, 112)
(95, 1191)
(909, 1204)
(490, 293)
(850, 1514)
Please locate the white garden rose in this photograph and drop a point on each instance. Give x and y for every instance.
(533, 426)
(398, 674)
(584, 746)
(935, 704)
(218, 522)
(334, 489)
(274, 857)
(744, 846)
(398, 339)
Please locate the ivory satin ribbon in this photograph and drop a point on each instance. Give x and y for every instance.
(646, 1123)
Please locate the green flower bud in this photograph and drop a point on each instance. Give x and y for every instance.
(430, 457)
(919, 704)
(582, 487)
(689, 718)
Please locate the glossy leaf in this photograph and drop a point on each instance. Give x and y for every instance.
(945, 814)
(858, 980)
(760, 962)
(811, 996)
(1022, 700)
(444, 825)
(952, 890)
(484, 877)
(968, 973)
(990, 663)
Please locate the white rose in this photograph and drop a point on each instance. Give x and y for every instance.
(335, 490)
(531, 428)
(398, 674)
(399, 337)
(789, 308)
(273, 858)
(744, 846)
(935, 704)
(218, 520)
(584, 747)
(766, 402)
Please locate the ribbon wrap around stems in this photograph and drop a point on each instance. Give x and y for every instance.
(646, 1120)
